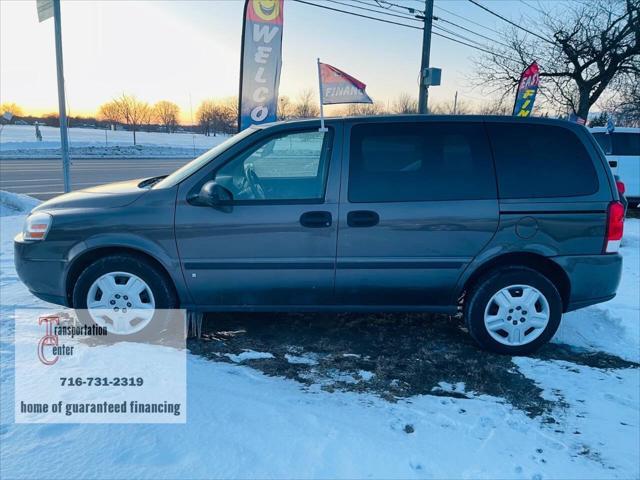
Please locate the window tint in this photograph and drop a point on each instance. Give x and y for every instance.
(626, 143)
(286, 167)
(537, 161)
(604, 140)
(405, 162)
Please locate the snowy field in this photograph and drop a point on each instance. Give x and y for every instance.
(245, 423)
(19, 141)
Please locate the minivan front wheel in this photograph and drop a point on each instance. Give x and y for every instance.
(513, 310)
(123, 293)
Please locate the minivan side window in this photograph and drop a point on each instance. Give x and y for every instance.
(287, 167)
(541, 161)
(413, 162)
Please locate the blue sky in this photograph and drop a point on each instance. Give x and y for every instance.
(177, 50)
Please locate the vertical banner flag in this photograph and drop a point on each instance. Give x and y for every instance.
(260, 62)
(527, 89)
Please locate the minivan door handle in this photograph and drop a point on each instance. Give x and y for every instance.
(317, 219)
(362, 218)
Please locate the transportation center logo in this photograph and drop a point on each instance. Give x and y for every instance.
(48, 344)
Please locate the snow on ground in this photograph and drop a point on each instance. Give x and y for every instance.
(19, 141)
(613, 326)
(242, 423)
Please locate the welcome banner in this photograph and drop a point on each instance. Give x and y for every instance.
(260, 62)
(527, 90)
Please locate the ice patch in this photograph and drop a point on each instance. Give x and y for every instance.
(248, 355)
(301, 360)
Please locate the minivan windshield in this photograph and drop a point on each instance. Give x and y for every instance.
(197, 163)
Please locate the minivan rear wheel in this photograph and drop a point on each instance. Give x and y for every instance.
(513, 310)
(124, 293)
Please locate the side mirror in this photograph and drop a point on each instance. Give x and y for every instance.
(213, 194)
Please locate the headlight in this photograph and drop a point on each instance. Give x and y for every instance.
(36, 226)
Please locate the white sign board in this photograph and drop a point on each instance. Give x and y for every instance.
(45, 9)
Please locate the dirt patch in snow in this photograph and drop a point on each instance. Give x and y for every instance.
(391, 355)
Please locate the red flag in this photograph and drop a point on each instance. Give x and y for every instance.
(340, 87)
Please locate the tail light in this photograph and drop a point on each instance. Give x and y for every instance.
(620, 187)
(615, 227)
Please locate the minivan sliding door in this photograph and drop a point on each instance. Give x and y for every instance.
(418, 202)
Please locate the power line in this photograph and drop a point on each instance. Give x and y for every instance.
(406, 17)
(533, 7)
(509, 21)
(455, 34)
(467, 20)
(391, 4)
(421, 18)
(359, 15)
(471, 45)
(440, 19)
(437, 18)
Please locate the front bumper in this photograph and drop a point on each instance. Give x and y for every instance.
(593, 278)
(43, 277)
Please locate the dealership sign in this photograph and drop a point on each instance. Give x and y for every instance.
(527, 89)
(261, 62)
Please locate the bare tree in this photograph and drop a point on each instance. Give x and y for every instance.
(498, 106)
(132, 112)
(108, 112)
(625, 104)
(204, 116)
(217, 116)
(306, 105)
(582, 47)
(363, 109)
(12, 108)
(404, 104)
(166, 113)
(285, 108)
(450, 108)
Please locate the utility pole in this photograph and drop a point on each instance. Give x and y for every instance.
(64, 139)
(423, 96)
(455, 103)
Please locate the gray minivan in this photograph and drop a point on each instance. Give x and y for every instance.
(512, 221)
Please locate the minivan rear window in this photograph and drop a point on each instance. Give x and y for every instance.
(538, 161)
(412, 162)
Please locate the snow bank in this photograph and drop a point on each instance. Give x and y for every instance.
(16, 203)
(18, 141)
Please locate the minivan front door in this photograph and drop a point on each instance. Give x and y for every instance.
(274, 244)
(418, 203)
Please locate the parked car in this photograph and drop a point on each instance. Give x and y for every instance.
(511, 221)
(622, 148)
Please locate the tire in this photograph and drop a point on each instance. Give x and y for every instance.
(157, 294)
(496, 312)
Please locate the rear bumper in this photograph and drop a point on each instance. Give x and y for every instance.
(593, 278)
(44, 278)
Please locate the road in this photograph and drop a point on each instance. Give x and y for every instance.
(42, 178)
